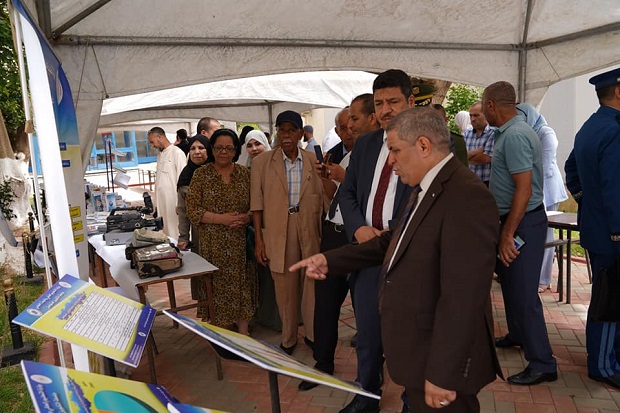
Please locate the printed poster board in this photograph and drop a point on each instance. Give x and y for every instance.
(75, 311)
(57, 389)
(265, 355)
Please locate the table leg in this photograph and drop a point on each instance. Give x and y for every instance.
(172, 300)
(568, 265)
(561, 268)
(149, 343)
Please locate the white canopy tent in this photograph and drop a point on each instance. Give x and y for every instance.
(253, 100)
(113, 48)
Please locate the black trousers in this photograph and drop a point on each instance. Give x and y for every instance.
(329, 295)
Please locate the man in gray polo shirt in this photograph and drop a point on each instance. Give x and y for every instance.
(517, 185)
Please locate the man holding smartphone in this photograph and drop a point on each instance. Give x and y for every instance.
(517, 185)
(330, 295)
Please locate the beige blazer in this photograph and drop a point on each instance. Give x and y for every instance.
(269, 194)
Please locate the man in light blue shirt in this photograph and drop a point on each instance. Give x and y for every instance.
(517, 185)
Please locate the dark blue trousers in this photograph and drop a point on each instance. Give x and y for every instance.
(365, 290)
(524, 311)
(329, 295)
(602, 339)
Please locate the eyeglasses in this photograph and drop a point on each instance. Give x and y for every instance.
(219, 148)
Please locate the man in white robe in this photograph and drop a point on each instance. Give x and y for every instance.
(170, 162)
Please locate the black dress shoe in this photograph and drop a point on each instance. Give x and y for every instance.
(288, 350)
(505, 342)
(359, 405)
(307, 385)
(309, 343)
(613, 381)
(530, 377)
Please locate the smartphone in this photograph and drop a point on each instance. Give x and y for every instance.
(518, 242)
(319, 153)
(326, 161)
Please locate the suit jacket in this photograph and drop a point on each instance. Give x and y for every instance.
(354, 192)
(594, 168)
(269, 193)
(435, 307)
(337, 152)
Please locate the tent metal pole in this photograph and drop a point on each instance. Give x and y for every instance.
(77, 18)
(270, 114)
(253, 42)
(44, 17)
(523, 53)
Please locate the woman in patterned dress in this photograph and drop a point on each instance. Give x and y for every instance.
(218, 203)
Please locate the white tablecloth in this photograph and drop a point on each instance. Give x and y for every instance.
(128, 279)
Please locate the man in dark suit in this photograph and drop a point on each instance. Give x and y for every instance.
(330, 295)
(369, 199)
(437, 271)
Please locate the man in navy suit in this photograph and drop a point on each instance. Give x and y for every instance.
(593, 177)
(330, 295)
(369, 199)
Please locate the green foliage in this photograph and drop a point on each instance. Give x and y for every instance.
(7, 196)
(10, 89)
(13, 391)
(460, 97)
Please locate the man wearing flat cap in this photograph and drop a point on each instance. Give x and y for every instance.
(593, 177)
(287, 201)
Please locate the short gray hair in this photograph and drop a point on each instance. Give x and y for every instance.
(413, 123)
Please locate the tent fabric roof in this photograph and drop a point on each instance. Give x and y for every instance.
(121, 47)
(246, 100)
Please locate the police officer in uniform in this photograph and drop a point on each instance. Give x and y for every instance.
(593, 177)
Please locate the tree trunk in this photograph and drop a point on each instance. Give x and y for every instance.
(6, 151)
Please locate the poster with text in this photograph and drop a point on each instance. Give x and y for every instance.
(57, 389)
(92, 317)
(265, 355)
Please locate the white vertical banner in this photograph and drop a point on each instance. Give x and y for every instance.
(57, 137)
(55, 125)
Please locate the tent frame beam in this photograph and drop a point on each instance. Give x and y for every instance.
(44, 16)
(61, 39)
(76, 19)
(253, 42)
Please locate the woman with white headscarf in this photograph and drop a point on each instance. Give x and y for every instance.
(462, 121)
(255, 143)
(267, 313)
(553, 185)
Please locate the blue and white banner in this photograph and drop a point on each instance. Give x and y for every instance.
(59, 148)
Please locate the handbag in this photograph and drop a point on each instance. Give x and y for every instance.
(605, 302)
(157, 260)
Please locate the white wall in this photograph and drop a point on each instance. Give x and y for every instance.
(322, 120)
(566, 106)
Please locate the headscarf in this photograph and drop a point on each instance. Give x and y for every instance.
(531, 116)
(245, 158)
(188, 172)
(462, 120)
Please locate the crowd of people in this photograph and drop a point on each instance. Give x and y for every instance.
(411, 220)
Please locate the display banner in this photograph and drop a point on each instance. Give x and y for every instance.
(265, 355)
(55, 125)
(91, 317)
(57, 389)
